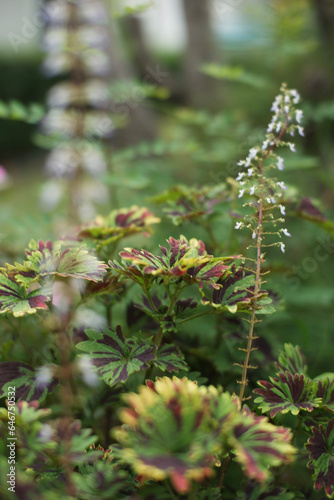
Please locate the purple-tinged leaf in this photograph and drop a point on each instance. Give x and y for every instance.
(185, 203)
(291, 360)
(186, 260)
(325, 391)
(184, 304)
(287, 393)
(118, 224)
(320, 448)
(170, 358)
(16, 299)
(166, 428)
(108, 285)
(30, 384)
(258, 445)
(115, 357)
(234, 290)
(309, 211)
(46, 259)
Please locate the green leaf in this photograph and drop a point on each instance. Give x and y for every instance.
(320, 446)
(101, 480)
(114, 357)
(170, 358)
(118, 224)
(287, 393)
(234, 74)
(291, 359)
(46, 259)
(30, 384)
(186, 260)
(234, 291)
(14, 298)
(15, 110)
(185, 203)
(259, 445)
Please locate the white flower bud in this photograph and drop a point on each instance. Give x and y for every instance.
(280, 164)
(281, 185)
(299, 116)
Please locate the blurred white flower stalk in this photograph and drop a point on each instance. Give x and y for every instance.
(78, 120)
(264, 192)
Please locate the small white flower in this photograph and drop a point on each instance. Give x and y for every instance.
(254, 236)
(286, 232)
(241, 193)
(252, 190)
(292, 147)
(282, 247)
(278, 127)
(268, 200)
(292, 133)
(43, 376)
(286, 109)
(86, 368)
(238, 225)
(265, 144)
(281, 185)
(45, 433)
(282, 209)
(286, 99)
(242, 183)
(241, 162)
(253, 152)
(250, 171)
(273, 200)
(280, 164)
(276, 103)
(299, 116)
(247, 162)
(240, 176)
(300, 130)
(275, 107)
(270, 127)
(295, 95)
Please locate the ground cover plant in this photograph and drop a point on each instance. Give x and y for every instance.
(143, 380)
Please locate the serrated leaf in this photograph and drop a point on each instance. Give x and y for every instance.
(234, 291)
(291, 359)
(46, 259)
(118, 224)
(30, 384)
(258, 445)
(183, 259)
(185, 203)
(14, 297)
(287, 393)
(325, 391)
(170, 358)
(320, 446)
(115, 357)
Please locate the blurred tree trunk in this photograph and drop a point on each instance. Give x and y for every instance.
(141, 121)
(202, 90)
